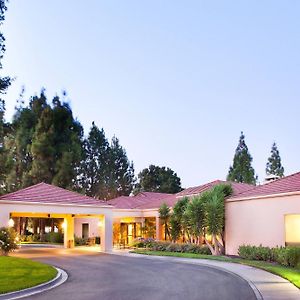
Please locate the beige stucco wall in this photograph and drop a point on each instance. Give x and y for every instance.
(93, 226)
(258, 221)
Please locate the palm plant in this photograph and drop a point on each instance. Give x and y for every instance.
(193, 218)
(215, 216)
(176, 220)
(164, 215)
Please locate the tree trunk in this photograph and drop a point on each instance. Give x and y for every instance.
(215, 243)
(35, 226)
(221, 247)
(211, 248)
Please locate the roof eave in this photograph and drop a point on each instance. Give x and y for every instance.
(56, 204)
(234, 199)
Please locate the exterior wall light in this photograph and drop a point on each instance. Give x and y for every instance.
(64, 225)
(100, 224)
(11, 223)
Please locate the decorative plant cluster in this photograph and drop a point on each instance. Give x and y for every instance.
(8, 240)
(171, 247)
(286, 256)
(198, 220)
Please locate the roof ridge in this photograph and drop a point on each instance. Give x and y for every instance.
(203, 184)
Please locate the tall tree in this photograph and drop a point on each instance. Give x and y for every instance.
(67, 142)
(95, 163)
(18, 142)
(242, 170)
(120, 172)
(4, 84)
(3, 169)
(158, 179)
(4, 81)
(42, 149)
(274, 166)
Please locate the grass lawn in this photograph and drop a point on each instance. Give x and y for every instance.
(291, 274)
(20, 273)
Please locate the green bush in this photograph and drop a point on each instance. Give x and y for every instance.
(286, 256)
(80, 241)
(8, 240)
(170, 247)
(256, 253)
(54, 237)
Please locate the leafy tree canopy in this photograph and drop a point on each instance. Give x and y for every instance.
(158, 179)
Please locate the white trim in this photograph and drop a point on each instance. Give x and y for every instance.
(262, 196)
(55, 204)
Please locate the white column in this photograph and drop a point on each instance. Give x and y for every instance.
(4, 217)
(69, 231)
(106, 232)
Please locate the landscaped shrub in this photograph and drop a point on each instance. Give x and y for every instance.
(256, 253)
(80, 241)
(286, 256)
(198, 249)
(54, 237)
(142, 243)
(170, 247)
(8, 240)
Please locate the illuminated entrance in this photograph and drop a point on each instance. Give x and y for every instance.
(47, 202)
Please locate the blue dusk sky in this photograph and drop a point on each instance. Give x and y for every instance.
(175, 81)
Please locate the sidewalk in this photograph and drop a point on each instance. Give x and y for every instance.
(265, 285)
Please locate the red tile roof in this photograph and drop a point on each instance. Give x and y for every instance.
(236, 186)
(286, 184)
(140, 201)
(49, 194)
(150, 200)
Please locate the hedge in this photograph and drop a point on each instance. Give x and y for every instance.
(151, 244)
(286, 256)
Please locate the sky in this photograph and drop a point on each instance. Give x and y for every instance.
(175, 81)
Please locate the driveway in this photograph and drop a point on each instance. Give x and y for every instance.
(112, 277)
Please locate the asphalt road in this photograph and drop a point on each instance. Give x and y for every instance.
(111, 277)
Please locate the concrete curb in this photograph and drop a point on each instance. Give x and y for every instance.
(59, 279)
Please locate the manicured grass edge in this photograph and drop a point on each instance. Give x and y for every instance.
(291, 274)
(17, 278)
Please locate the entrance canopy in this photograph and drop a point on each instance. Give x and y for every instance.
(47, 201)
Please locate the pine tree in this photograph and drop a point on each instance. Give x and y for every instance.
(19, 140)
(67, 143)
(4, 84)
(273, 166)
(42, 149)
(242, 170)
(4, 81)
(120, 172)
(94, 165)
(2, 149)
